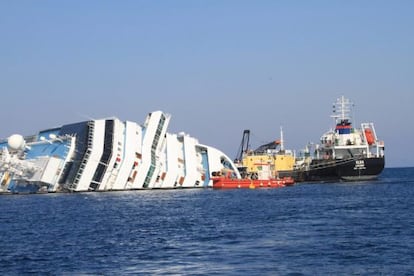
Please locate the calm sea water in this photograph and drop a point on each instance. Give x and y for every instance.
(362, 228)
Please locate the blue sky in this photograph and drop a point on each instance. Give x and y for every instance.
(218, 67)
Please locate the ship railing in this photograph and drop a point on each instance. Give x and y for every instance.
(332, 163)
(85, 159)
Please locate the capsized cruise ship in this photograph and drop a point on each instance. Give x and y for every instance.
(108, 155)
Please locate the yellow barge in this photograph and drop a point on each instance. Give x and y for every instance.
(270, 160)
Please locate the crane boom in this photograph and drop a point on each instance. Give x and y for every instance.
(244, 146)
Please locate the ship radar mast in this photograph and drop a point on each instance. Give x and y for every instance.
(341, 110)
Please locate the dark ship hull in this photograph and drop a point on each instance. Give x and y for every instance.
(361, 169)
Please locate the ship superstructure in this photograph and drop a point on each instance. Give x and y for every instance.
(108, 155)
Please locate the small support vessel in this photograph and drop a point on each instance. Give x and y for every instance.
(227, 181)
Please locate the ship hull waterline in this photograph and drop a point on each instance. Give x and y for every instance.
(362, 169)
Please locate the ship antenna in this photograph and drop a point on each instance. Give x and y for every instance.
(282, 144)
(341, 109)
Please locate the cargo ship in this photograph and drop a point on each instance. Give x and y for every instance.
(344, 153)
(108, 155)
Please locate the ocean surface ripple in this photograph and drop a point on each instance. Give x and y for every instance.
(364, 228)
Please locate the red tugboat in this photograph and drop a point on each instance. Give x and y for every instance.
(227, 181)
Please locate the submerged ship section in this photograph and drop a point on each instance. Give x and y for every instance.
(108, 155)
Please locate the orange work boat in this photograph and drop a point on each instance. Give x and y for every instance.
(223, 182)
